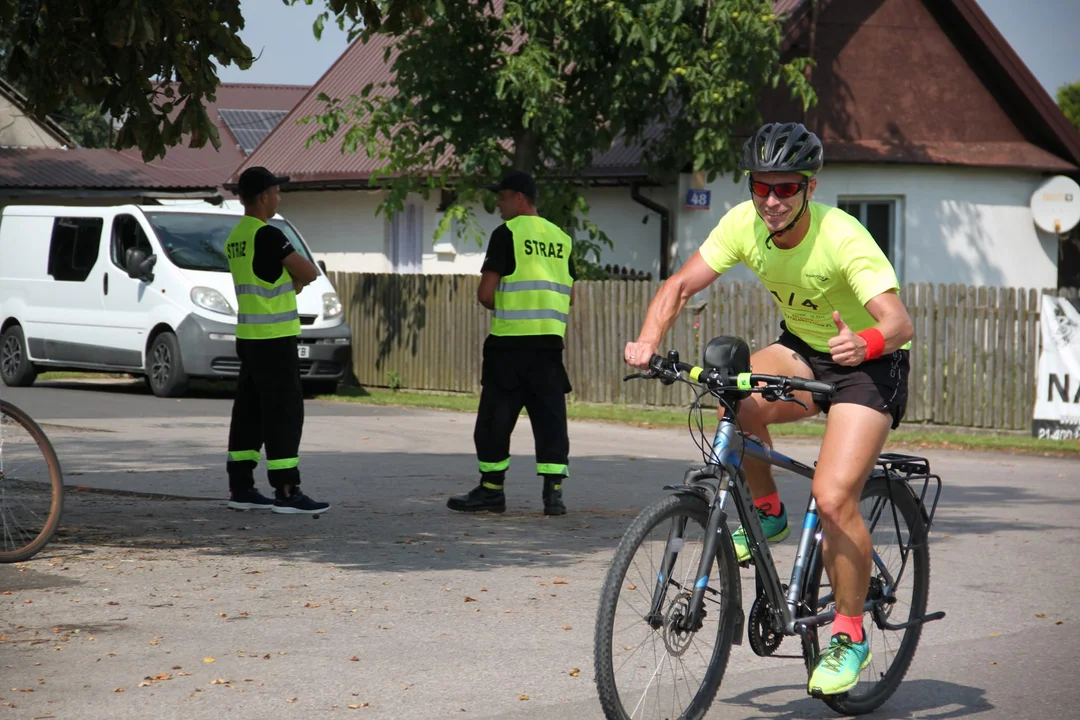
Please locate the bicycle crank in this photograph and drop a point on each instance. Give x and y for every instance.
(761, 632)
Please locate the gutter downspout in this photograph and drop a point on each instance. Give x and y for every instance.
(665, 226)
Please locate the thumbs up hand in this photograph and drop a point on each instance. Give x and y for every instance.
(847, 348)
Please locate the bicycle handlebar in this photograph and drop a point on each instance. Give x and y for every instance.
(668, 370)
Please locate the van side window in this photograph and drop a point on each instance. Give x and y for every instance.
(127, 234)
(74, 248)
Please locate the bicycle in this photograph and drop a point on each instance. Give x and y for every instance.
(28, 519)
(711, 579)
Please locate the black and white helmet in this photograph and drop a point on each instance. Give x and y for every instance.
(782, 147)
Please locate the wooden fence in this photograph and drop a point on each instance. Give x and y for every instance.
(973, 359)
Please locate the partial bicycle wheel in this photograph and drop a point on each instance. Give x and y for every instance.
(892, 514)
(644, 671)
(31, 486)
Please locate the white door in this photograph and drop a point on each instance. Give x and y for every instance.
(128, 301)
(71, 306)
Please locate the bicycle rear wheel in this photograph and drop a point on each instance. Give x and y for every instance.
(893, 516)
(642, 672)
(31, 486)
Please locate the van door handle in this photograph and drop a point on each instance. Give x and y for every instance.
(105, 281)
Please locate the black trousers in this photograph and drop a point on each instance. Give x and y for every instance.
(513, 379)
(268, 410)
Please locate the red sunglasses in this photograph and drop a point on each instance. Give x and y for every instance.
(781, 190)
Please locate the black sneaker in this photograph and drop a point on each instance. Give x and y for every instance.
(553, 504)
(479, 499)
(250, 499)
(298, 504)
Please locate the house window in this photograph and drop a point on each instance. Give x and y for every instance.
(881, 218)
(406, 242)
(74, 248)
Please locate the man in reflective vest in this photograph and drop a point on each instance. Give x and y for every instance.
(268, 409)
(527, 279)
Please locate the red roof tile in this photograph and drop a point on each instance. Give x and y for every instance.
(84, 168)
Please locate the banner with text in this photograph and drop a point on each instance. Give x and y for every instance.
(1057, 400)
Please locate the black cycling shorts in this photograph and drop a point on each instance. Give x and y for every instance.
(880, 383)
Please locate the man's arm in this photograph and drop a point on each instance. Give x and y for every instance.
(497, 264)
(485, 294)
(303, 272)
(670, 299)
(893, 324)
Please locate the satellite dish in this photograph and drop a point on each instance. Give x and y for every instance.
(1055, 205)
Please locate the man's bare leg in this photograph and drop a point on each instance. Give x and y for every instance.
(854, 438)
(756, 414)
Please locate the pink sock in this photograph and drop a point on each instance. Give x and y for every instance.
(770, 504)
(851, 626)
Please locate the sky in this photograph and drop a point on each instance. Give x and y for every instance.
(1044, 33)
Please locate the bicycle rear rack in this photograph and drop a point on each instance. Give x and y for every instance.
(910, 469)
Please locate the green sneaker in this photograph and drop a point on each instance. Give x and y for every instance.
(838, 668)
(774, 526)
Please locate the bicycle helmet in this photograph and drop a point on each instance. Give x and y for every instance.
(782, 147)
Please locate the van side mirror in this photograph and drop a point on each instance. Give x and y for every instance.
(139, 266)
(322, 265)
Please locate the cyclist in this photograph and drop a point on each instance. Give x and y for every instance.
(843, 323)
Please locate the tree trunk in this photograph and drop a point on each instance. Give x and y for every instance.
(526, 147)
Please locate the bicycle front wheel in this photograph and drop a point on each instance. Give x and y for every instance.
(899, 580)
(662, 669)
(31, 486)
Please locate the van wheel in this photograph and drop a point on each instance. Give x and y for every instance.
(15, 366)
(165, 368)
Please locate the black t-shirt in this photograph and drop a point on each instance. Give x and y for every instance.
(500, 259)
(271, 247)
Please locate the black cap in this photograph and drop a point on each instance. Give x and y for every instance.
(518, 181)
(255, 180)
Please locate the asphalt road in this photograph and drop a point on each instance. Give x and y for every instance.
(369, 605)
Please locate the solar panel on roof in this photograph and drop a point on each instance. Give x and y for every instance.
(249, 127)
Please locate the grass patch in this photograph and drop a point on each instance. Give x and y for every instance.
(911, 436)
(79, 375)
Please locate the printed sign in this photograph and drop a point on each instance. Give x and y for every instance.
(698, 199)
(1057, 399)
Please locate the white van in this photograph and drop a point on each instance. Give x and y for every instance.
(143, 290)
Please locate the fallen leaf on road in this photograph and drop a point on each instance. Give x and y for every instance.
(119, 690)
(223, 615)
(110, 567)
(219, 681)
(559, 581)
(1060, 622)
(993, 662)
(111, 602)
(356, 706)
(183, 674)
(292, 700)
(1040, 615)
(208, 660)
(575, 672)
(523, 697)
(440, 549)
(994, 634)
(567, 627)
(281, 652)
(469, 599)
(320, 632)
(631, 587)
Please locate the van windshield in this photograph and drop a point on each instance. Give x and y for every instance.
(196, 241)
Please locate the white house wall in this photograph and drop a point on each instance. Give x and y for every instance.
(957, 225)
(342, 229)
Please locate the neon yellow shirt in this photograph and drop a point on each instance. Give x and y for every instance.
(837, 266)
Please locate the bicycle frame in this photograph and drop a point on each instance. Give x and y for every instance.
(729, 447)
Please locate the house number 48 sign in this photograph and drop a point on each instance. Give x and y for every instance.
(697, 199)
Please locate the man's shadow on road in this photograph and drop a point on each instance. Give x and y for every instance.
(930, 699)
